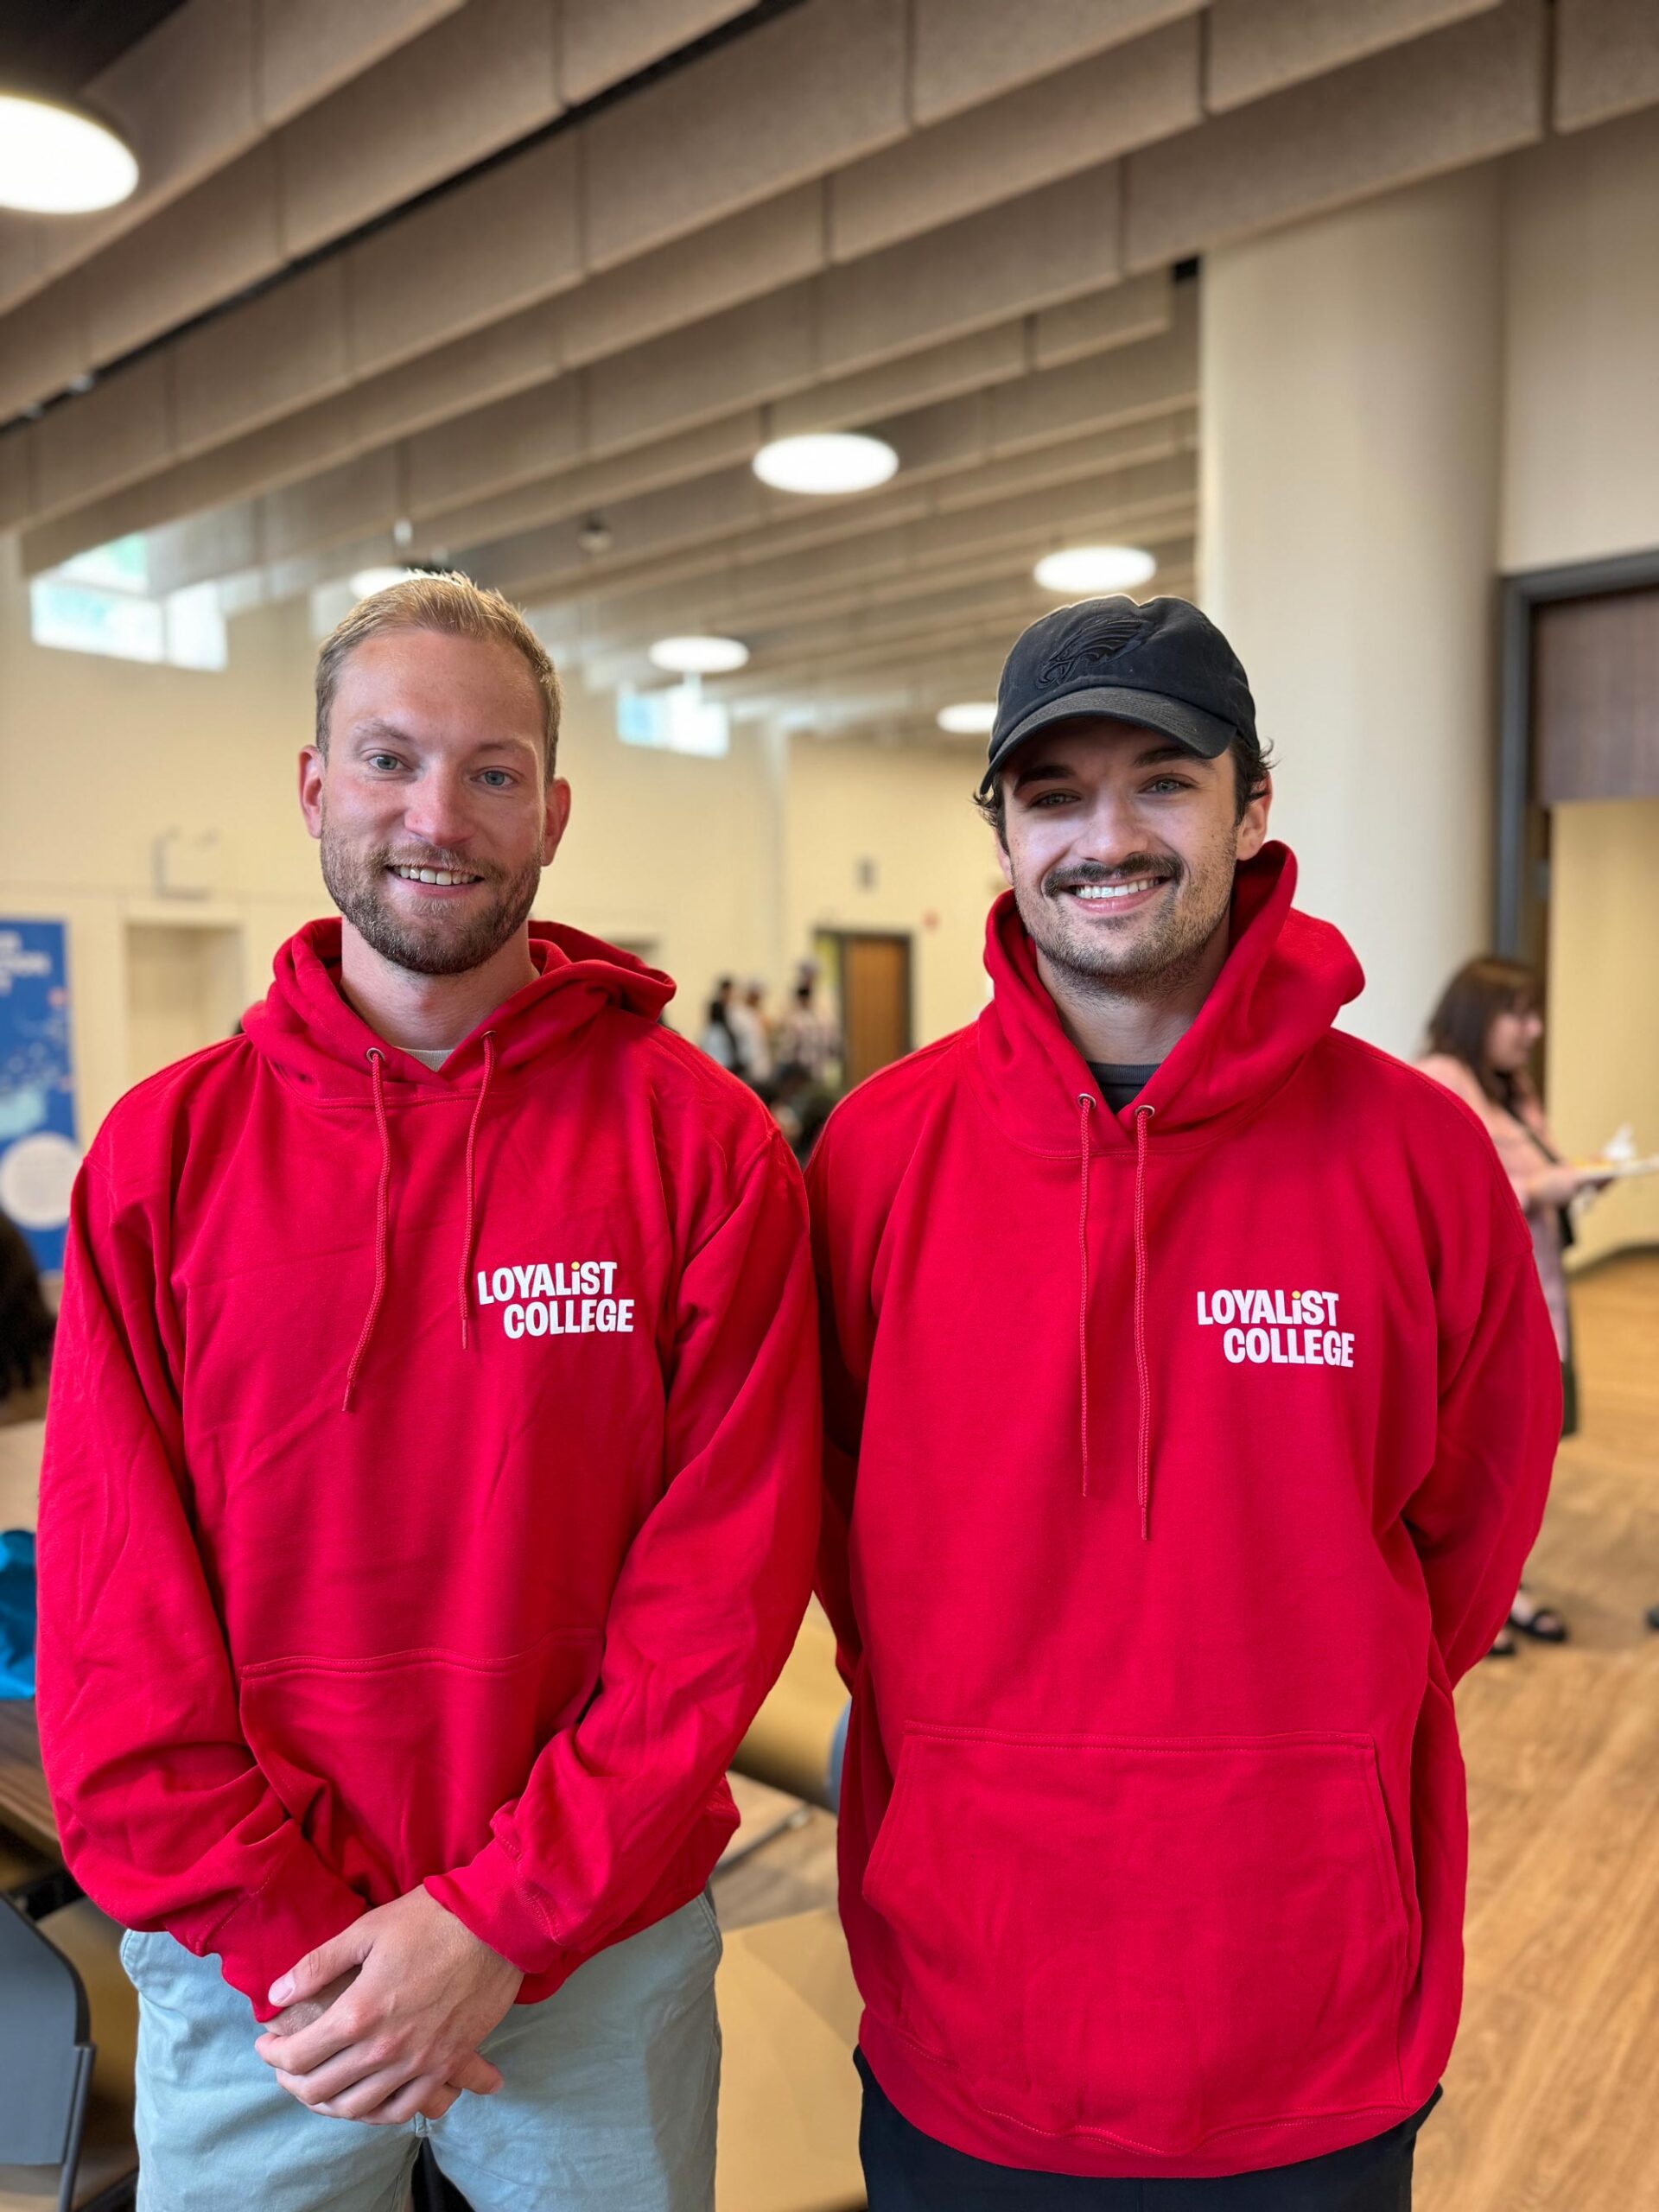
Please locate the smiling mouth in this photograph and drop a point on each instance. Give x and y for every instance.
(1114, 897)
(442, 878)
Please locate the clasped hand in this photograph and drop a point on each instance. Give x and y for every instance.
(385, 2020)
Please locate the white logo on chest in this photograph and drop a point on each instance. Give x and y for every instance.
(1277, 1328)
(576, 1298)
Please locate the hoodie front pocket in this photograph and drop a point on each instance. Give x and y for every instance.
(394, 1765)
(1152, 1940)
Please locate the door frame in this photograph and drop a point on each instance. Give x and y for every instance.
(1518, 895)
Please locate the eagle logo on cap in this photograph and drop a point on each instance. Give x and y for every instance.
(1101, 641)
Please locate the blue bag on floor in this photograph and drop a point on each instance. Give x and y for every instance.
(16, 1613)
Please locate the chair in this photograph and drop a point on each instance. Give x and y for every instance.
(68, 2034)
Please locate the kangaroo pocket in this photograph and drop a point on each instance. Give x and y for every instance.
(1151, 1941)
(394, 1765)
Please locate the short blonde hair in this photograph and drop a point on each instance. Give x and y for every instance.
(456, 606)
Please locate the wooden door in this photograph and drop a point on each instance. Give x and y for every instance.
(875, 1003)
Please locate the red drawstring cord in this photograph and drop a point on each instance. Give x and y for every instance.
(1143, 1372)
(376, 1060)
(1086, 1105)
(465, 1290)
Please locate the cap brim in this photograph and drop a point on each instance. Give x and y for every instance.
(1205, 734)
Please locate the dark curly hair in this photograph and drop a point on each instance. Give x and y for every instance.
(25, 1326)
(1253, 763)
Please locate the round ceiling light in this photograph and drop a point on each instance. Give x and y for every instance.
(1085, 570)
(57, 162)
(366, 581)
(972, 718)
(697, 655)
(826, 461)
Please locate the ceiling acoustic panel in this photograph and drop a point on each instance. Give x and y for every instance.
(967, 51)
(498, 242)
(1061, 124)
(816, 87)
(476, 81)
(1258, 46)
(1048, 245)
(306, 48)
(1606, 59)
(1457, 96)
(602, 41)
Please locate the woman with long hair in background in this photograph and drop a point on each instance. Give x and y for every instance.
(1481, 1039)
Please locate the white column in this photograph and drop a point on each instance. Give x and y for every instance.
(1350, 380)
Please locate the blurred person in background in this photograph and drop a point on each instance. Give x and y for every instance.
(807, 1039)
(1481, 1039)
(429, 1502)
(26, 1329)
(719, 1037)
(746, 1018)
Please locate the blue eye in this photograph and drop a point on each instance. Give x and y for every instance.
(497, 778)
(384, 760)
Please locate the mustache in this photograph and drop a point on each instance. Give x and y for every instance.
(1165, 866)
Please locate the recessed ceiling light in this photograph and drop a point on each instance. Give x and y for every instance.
(826, 461)
(1091, 569)
(57, 162)
(366, 581)
(697, 656)
(972, 718)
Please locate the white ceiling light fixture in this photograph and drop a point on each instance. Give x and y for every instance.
(366, 581)
(698, 656)
(1084, 570)
(970, 718)
(57, 161)
(825, 462)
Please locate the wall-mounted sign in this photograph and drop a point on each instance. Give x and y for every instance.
(38, 1152)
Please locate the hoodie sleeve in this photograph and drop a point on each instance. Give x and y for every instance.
(846, 1337)
(1474, 1517)
(704, 1613)
(166, 1819)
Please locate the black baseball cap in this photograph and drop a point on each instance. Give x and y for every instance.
(1159, 663)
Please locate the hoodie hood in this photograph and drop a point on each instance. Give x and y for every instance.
(1282, 985)
(308, 1031)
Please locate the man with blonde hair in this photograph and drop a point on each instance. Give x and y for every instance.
(428, 1501)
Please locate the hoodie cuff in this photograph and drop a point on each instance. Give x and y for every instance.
(301, 1905)
(490, 1896)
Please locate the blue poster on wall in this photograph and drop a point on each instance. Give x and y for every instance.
(38, 1152)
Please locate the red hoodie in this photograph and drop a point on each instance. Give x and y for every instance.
(1152, 1834)
(499, 1626)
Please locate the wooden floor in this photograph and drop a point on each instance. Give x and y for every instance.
(1552, 2098)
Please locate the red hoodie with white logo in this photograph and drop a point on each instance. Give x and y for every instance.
(430, 1478)
(1178, 1463)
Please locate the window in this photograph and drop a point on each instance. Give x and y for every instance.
(100, 602)
(678, 721)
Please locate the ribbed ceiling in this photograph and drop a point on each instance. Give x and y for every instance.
(452, 280)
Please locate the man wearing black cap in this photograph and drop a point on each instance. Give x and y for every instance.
(1190, 1407)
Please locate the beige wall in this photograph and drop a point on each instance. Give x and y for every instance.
(908, 810)
(1581, 428)
(1603, 1044)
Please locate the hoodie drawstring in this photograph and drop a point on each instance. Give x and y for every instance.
(1143, 1368)
(464, 1290)
(382, 1210)
(377, 1060)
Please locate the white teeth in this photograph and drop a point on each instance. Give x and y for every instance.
(1115, 890)
(432, 875)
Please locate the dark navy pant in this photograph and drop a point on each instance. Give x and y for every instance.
(908, 2171)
